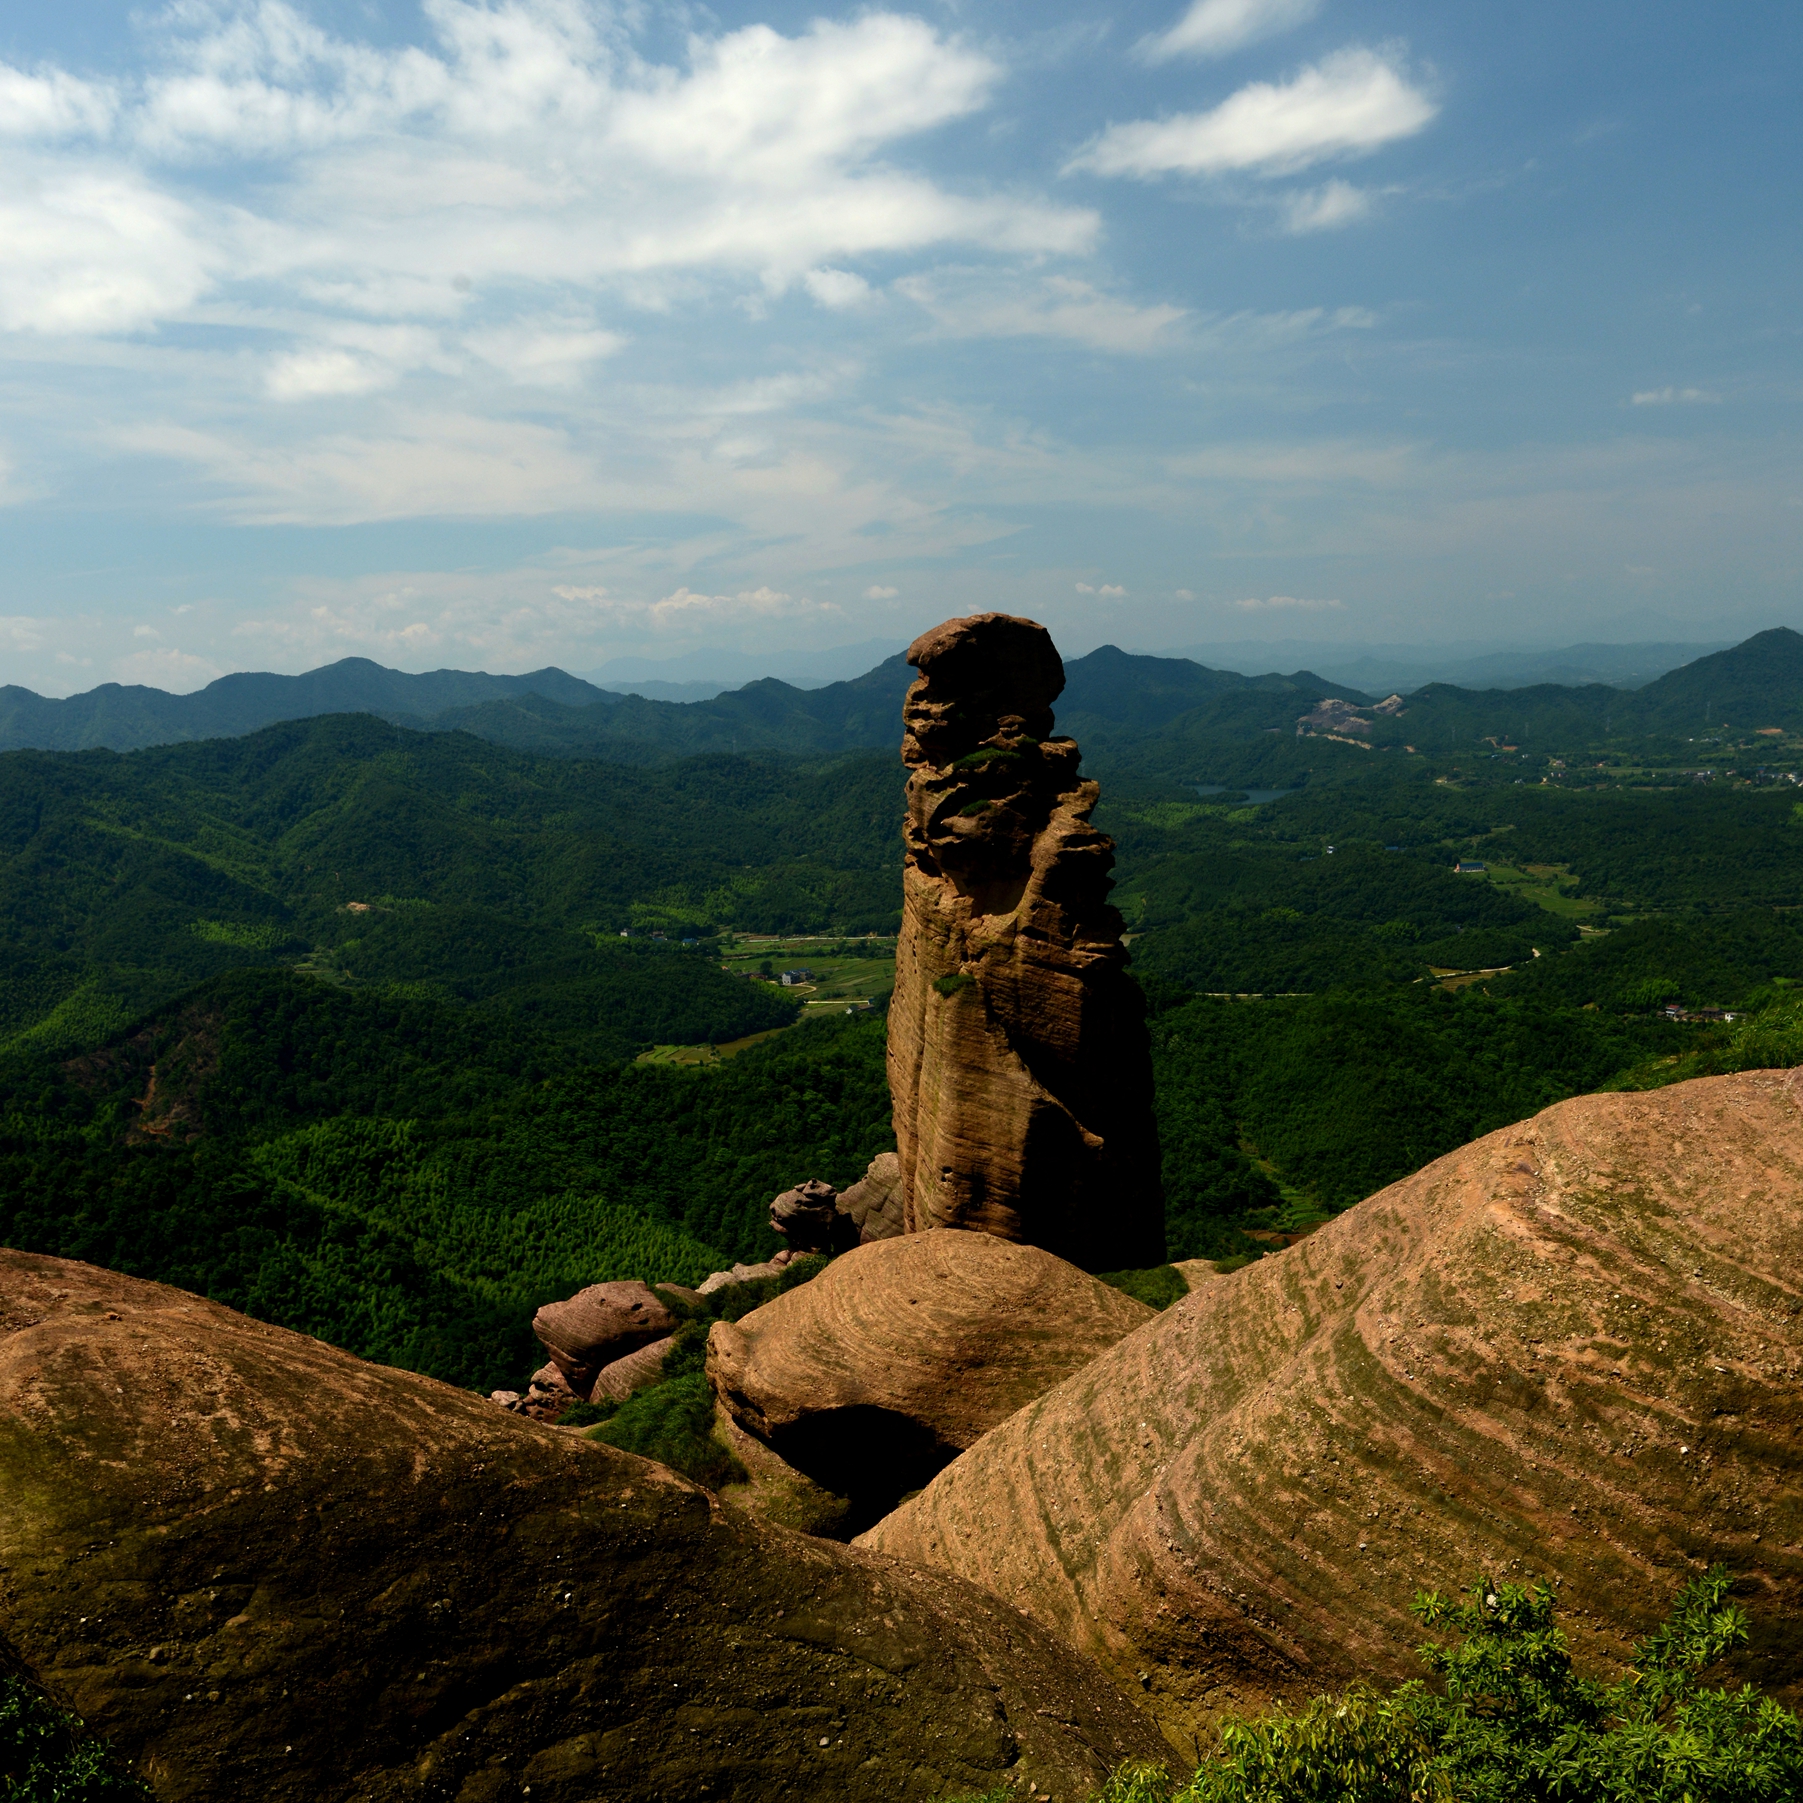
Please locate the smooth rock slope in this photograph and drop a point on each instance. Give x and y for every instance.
(904, 1352)
(1019, 1065)
(1572, 1350)
(268, 1570)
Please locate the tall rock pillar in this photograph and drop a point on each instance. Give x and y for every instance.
(1019, 1064)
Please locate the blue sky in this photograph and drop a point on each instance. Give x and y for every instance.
(496, 335)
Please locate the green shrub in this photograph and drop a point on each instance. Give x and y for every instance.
(673, 1422)
(952, 982)
(1158, 1287)
(46, 1757)
(1511, 1721)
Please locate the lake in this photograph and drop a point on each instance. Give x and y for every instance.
(1253, 796)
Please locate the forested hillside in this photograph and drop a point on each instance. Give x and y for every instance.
(335, 1020)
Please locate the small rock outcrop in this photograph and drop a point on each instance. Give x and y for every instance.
(598, 1325)
(1019, 1064)
(904, 1352)
(808, 1217)
(636, 1371)
(874, 1204)
(267, 1569)
(1570, 1351)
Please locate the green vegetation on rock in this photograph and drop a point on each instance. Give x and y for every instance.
(1508, 1719)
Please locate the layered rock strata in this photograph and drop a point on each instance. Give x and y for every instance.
(1019, 1065)
(597, 1325)
(874, 1204)
(1569, 1351)
(903, 1353)
(267, 1569)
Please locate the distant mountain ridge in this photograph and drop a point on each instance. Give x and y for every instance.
(1113, 702)
(122, 718)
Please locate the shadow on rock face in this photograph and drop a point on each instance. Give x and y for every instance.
(872, 1456)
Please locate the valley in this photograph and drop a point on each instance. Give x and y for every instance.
(381, 1037)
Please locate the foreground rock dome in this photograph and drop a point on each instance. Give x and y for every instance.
(1572, 1351)
(266, 1569)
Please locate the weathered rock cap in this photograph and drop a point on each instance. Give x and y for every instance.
(808, 1217)
(598, 1325)
(975, 673)
(904, 1352)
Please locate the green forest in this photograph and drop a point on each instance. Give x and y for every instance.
(345, 1023)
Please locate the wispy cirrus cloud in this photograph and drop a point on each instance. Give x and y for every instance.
(1674, 397)
(1347, 105)
(967, 303)
(1218, 27)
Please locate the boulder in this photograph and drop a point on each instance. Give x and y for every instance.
(1019, 1065)
(598, 1325)
(902, 1353)
(265, 1568)
(548, 1394)
(874, 1204)
(808, 1218)
(1571, 1352)
(636, 1371)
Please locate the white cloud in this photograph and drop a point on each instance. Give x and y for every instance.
(406, 466)
(1322, 209)
(1254, 603)
(1183, 594)
(1350, 104)
(545, 355)
(323, 370)
(1109, 589)
(1215, 27)
(836, 287)
(975, 304)
(95, 248)
(529, 147)
(52, 104)
(876, 592)
(1667, 397)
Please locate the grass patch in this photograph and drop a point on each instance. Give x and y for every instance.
(952, 982)
(673, 1423)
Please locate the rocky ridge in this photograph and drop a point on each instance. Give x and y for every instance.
(1571, 1351)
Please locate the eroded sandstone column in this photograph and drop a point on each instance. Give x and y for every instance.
(1019, 1064)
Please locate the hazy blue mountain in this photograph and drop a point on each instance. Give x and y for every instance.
(1388, 669)
(121, 718)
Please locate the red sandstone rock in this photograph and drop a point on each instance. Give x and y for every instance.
(598, 1325)
(1019, 1064)
(310, 1579)
(873, 1204)
(1572, 1351)
(636, 1371)
(904, 1352)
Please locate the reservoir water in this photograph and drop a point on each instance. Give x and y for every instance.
(1253, 796)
